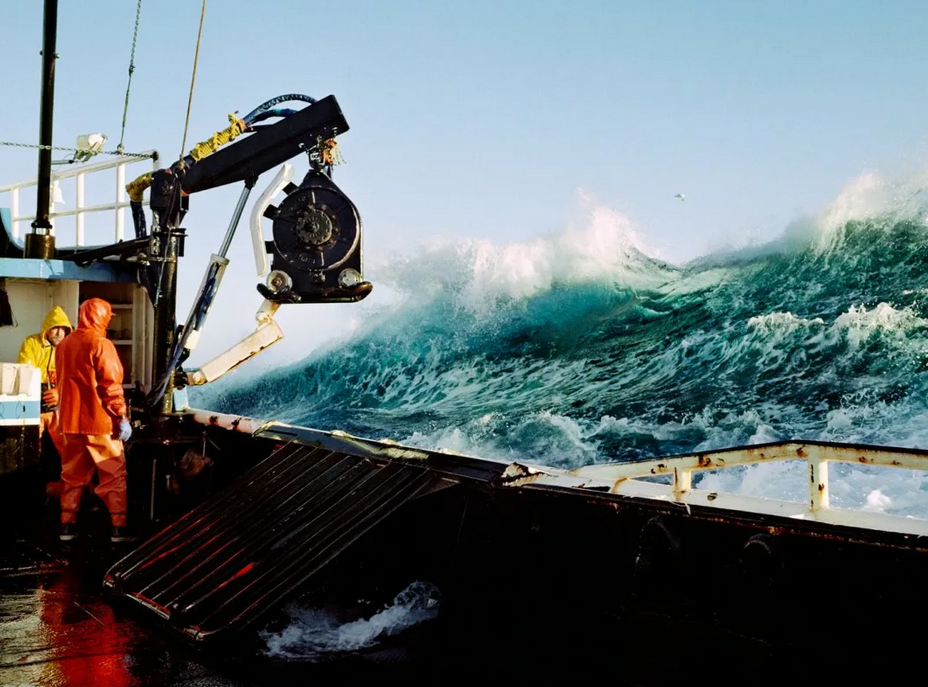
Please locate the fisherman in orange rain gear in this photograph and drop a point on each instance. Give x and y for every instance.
(94, 419)
(38, 350)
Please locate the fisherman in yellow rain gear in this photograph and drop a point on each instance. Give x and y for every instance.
(38, 350)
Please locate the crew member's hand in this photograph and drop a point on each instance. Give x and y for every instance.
(124, 431)
(50, 397)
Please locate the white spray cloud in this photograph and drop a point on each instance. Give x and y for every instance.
(604, 246)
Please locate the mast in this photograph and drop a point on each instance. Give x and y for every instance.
(42, 245)
(166, 317)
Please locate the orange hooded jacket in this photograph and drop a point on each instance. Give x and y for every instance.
(91, 398)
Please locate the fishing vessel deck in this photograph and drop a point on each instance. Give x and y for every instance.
(630, 570)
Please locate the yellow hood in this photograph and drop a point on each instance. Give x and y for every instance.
(56, 317)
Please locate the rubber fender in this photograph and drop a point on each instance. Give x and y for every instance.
(658, 549)
(761, 560)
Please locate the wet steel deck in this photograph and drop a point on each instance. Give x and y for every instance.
(57, 630)
(539, 582)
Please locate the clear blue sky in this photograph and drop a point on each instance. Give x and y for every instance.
(488, 118)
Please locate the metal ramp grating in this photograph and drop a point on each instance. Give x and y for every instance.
(242, 552)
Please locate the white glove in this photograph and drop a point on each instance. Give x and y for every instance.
(124, 431)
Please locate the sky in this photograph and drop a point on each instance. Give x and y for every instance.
(497, 119)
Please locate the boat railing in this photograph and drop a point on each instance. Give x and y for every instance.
(670, 479)
(81, 209)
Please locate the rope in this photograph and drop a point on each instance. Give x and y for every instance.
(193, 78)
(218, 139)
(331, 155)
(38, 146)
(125, 109)
(136, 187)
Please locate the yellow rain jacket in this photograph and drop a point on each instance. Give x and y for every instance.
(36, 350)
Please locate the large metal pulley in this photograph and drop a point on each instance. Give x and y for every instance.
(316, 227)
(317, 245)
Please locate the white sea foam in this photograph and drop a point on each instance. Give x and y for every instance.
(782, 322)
(313, 633)
(859, 322)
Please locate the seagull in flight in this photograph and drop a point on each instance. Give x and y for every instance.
(681, 196)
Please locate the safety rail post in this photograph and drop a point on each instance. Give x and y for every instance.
(79, 206)
(79, 173)
(120, 200)
(14, 212)
(682, 482)
(818, 481)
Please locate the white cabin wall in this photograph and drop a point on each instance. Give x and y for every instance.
(143, 335)
(30, 301)
(64, 293)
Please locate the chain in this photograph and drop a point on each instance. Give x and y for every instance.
(39, 146)
(125, 109)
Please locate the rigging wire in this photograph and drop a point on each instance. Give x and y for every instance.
(193, 78)
(125, 110)
(120, 149)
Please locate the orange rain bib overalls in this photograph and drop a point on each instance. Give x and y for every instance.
(91, 404)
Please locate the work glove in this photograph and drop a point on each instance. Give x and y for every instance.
(123, 431)
(50, 397)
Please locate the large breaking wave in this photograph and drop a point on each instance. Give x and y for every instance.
(579, 348)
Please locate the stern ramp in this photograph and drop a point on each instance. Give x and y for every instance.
(244, 551)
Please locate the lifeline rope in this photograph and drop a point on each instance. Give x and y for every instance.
(125, 109)
(193, 79)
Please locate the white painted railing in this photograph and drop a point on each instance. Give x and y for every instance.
(631, 479)
(80, 172)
